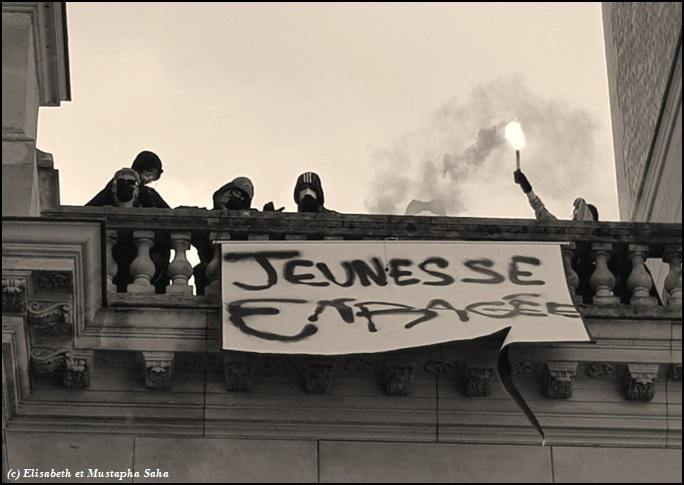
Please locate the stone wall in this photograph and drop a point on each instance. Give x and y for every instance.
(229, 460)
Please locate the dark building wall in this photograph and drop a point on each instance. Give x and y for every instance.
(642, 42)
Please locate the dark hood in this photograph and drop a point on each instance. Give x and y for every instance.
(312, 181)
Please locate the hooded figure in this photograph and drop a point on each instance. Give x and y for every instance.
(308, 193)
(148, 166)
(235, 195)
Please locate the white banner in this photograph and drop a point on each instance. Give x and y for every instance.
(345, 297)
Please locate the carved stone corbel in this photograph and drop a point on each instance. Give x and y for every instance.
(73, 365)
(13, 295)
(640, 381)
(477, 381)
(51, 319)
(238, 370)
(77, 368)
(45, 360)
(398, 377)
(560, 377)
(158, 369)
(318, 377)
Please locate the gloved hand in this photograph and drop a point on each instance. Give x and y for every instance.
(522, 181)
(269, 207)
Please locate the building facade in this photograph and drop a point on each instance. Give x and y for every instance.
(134, 385)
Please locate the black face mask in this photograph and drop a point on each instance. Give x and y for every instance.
(308, 204)
(125, 190)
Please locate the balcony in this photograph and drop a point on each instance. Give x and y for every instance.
(100, 356)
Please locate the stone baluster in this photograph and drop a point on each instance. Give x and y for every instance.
(639, 281)
(112, 267)
(142, 267)
(673, 280)
(571, 275)
(602, 280)
(180, 270)
(213, 272)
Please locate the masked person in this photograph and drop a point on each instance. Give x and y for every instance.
(308, 193)
(235, 195)
(122, 191)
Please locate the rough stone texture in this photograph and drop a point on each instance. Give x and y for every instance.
(612, 465)
(641, 39)
(69, 450)
(225, 460)
(432, 462)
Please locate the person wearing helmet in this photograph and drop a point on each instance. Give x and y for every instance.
(308, 193)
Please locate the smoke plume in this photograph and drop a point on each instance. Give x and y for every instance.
(462, 145)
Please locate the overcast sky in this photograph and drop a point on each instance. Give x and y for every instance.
(384, 101)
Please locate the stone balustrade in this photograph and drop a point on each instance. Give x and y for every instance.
(605, 263)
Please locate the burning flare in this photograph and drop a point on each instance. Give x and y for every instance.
(515, 135)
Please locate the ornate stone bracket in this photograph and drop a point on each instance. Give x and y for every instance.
(74, 365)
(238, 370)
(318, 376)
(51, 319)
(78, 364)
(398, 377)
(13, 295)
(477, 380)
(639, 381)
(560, 377)
(158, 369)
